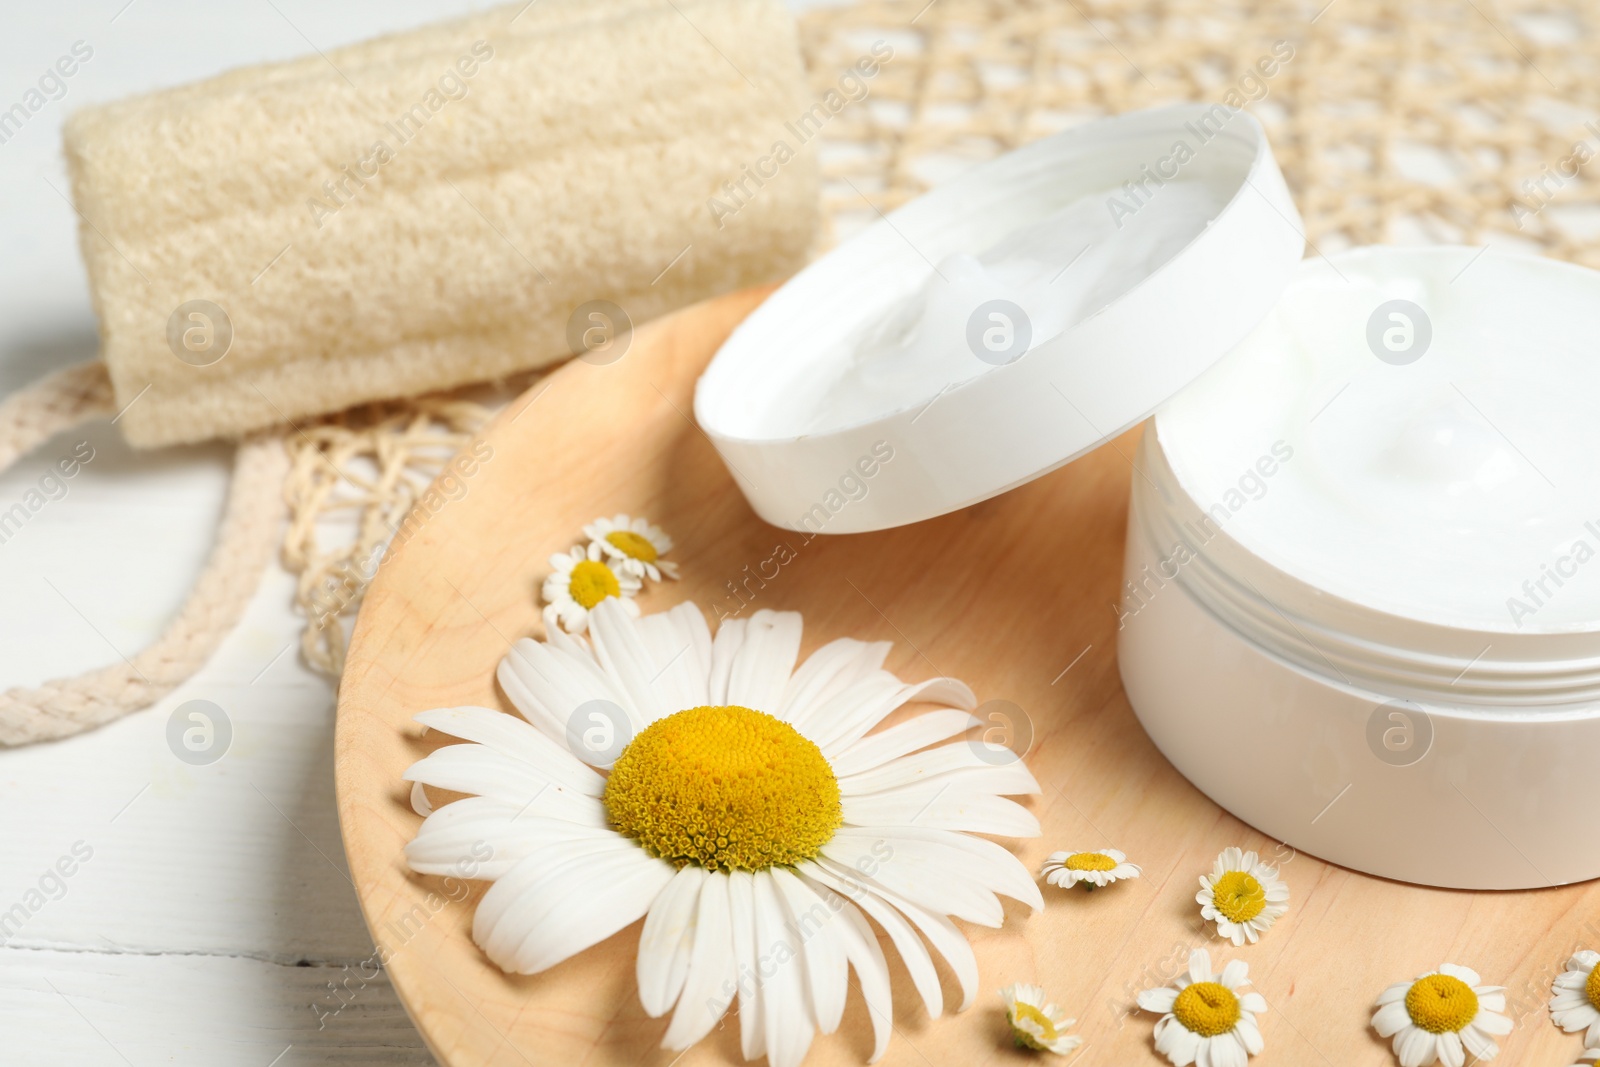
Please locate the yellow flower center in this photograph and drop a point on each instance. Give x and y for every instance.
(592, 582)
(1238, 896)
(1591, 988)
(1207, 1008)
(1090, 861)
(725, 788)
(1441, 1004)
(1047, 1028)
(631, 544)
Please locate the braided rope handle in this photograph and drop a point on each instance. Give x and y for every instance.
(246, 540)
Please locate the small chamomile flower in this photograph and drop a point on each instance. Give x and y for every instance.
(1088, 869)
(1243, 896)
(1442, 1017)
(1035, 1022)
(579, 580)
(633, 545)
(1207, 1018)
(1575, 996)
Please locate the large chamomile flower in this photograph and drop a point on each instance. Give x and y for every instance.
(1442, 1017)
(1088, 869)
(1575, 996)
(1206, 1018)
(752, 817)
(1243, 896)
(1035, 1022)
(633, 545)
(579, 580)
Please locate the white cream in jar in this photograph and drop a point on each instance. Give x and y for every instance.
(1361, 600)
(1458, 484)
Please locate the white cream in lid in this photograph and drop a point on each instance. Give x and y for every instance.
(865, 360)
(1443, 465)
(1059, 269)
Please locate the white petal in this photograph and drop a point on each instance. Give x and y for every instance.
(984, 861)
(1393, 993)
(485, 772)
(679, 643)
(942, 807)
(962, 763)
(1451, 1052)
(1160, 999)
(622, 652)
(1235, 974)
(1478, 1043)
(788, 1013)
(710, 985)
(825, 673)
(482, 838)
(937, 886)
(1175, 1041)
(667, 941)
(1227, 1050)
(419, 800)
(1572, 1012)
(1415, 1047)
(1492, 1022)
(547, 683)
(885, 745)
(742, 917)
(724, 649)
(1250, 1034)
(760, 670)
(846, 718)
(1466, 974)
(516, 737)
(866, 956)
(945, 937)
(827, 967)
(912, 951)
(528, 922)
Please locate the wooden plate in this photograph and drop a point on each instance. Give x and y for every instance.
(1015, 596)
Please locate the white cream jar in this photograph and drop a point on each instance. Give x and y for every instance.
(1362, 599)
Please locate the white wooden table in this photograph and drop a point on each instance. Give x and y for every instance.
(213, 911)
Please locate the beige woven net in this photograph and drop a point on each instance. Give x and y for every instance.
(1438, 121)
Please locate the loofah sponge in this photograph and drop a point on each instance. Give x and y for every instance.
(435, 207)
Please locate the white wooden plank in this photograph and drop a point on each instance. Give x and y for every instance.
(240, 857)
(87, 1009)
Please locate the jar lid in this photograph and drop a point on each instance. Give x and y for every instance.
(1003, 324)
